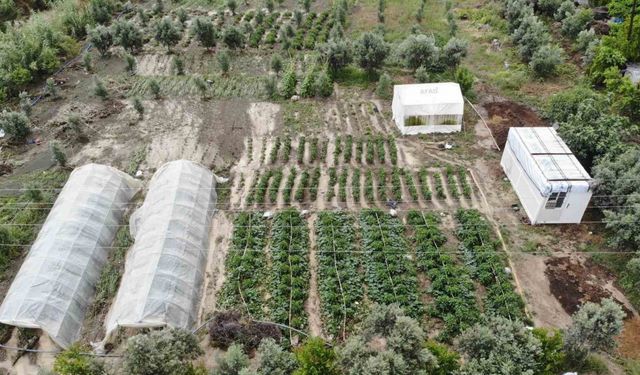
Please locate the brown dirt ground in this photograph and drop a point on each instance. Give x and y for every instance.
(506, 114)
(628, 340)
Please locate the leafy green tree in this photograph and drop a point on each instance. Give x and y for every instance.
(273, 360)
(545, 60)
(308, 85)
(127, 35)
(553, 356)
(101, 38)
(99, 90)
(51, 88)
(276, 63)
(530, 36)
(566, 9)
(143, 16)
(58, 155)
(204, 32)
(499, 345)
(182, 16)
(548, 7)
(73, 362)
(618, 189)
(8, 11)
(565, 103)
(419, 50)
(165, 352)
(289, 83)
(233, 362)
(232, 37)
(167, 33)
(584, 39)
(624, 95)
(336, 53)
(315, 358)
(324, 85)
(384, 89)
(593, 329)
(448, 361)
(370, 51)
(224, 61)
(605, 58)
(15, 126)
(422, 75)
(591, 132)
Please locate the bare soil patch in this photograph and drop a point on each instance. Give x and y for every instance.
(506, 114)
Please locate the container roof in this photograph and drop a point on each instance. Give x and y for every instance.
(429, 93)
(547, 159)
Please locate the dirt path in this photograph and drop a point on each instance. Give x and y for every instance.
(221, 231)
(312, 305)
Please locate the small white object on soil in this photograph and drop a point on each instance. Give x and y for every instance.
(304, 213)
(221, 180)
(507, 270)
(139, 173)
(295, 98)
(267, 215)
(393, 212)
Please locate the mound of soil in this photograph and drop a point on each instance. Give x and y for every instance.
(574, 283)
(506, 114)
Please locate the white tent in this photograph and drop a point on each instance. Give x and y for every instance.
(56, 282)
(164, 269)
(552, 185)
(428, 108)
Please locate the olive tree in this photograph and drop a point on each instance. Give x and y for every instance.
(336, 53)
(499, 344)
(545, 60)
(370, 51)
(127, 35)
(593, 329)
(273, 360)
(101, 38)
(167, 33)
(419, 50)
(15, 126)
(453, 52)
(232, 37)
(165, 352)
(384, 89)
(74, 361)
(233, 362)
(204, 32)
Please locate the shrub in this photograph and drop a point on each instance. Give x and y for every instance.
(131, 64)
(101, 37)
(87, 62)
(307, 88)
(315, 358)
(15, 126)
(605, 58)
(465, 79)
(232, 37)
(177, 65)
(139, 107)
(576, 22)
(154, 86)
(288, 83)
(25, 103)
(100, 11)
(99, 90)
(276, 63)
(127, 35)
(58, 155)
(232, 5)
(73, 362)
(324, 85)
(545, 60)
(548, 7)
(167, 33)
(158, 7)
(165, 352)
(453, 52)
(584, 39)
(370, 51)
(204, 32)
(224, 61)
(51, 88)
(531, 35)
(384, 89)
(182, 16)
(274, 360)
(419, 50)
(422, 75)
(566, 9)
(233, 362)
(270, 87)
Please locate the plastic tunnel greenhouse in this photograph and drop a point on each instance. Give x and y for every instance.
(56, 282)
(164, 270)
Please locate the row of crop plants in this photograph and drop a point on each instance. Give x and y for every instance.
(347, 150)
(340, 282)
(391, 276)
(451, 286)
(380, 185)
(488, 263)
(246, 265)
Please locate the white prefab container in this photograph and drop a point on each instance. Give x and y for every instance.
(550, 182)
(164, 269)
(57, 280)
(428, 108)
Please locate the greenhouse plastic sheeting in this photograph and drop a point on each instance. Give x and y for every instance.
(56, 282)
(164, 269)
(422, 99)
(547, 160)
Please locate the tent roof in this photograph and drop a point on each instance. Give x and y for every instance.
(547, 159)
(428, 93)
